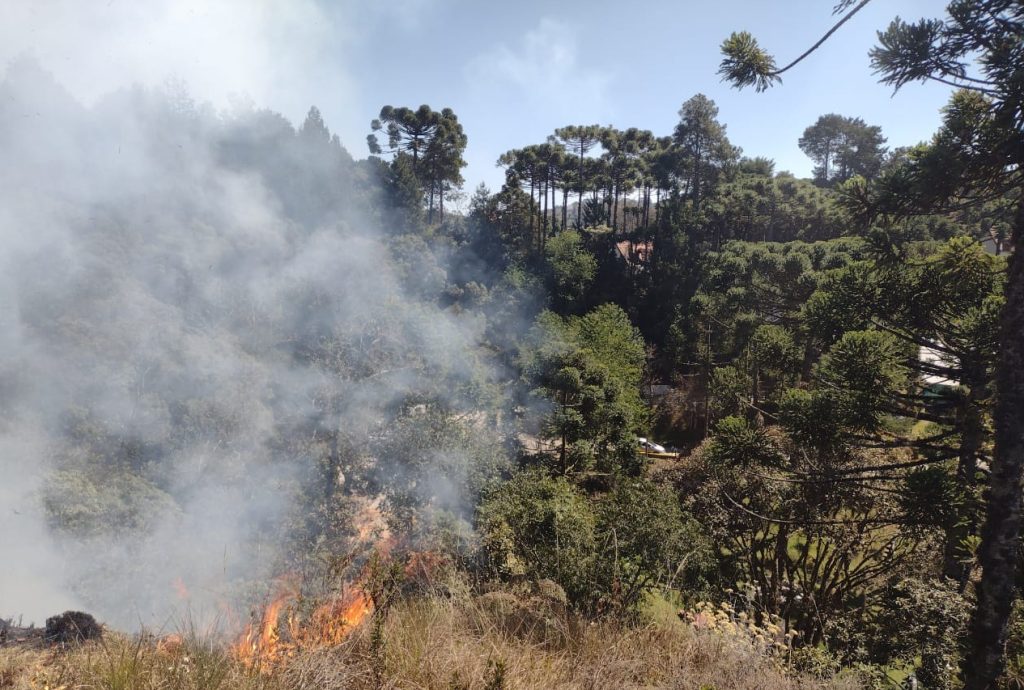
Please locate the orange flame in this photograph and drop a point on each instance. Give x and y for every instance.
(266, 644)
(259, 645)
(180, 589)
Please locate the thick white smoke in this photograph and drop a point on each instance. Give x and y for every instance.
(183, 294)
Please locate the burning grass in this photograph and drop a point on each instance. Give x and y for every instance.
(449, 642)
(281, 633)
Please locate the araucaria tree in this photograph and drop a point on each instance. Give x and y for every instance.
(433, 141)
(579, 139)
(978, 48)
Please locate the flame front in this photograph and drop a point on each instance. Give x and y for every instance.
(267, 643)
(260, 645)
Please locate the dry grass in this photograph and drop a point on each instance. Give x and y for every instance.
(493, 642)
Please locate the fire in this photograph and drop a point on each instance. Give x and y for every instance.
(260, 643)
(180, 589)
(281, 631)
(170, 644)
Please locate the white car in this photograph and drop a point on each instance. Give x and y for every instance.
(650, 446)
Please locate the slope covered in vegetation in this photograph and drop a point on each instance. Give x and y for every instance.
(379, 434)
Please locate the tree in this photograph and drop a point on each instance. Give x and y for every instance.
(314, 128)
(606, 552)
(644, 538)
(539, 526)
(807, 552)
(945, 299)
(409, 131)
(579, 139)
(843, 147)
(570, 269)
(977, 47)
(702, 148)
(523, 171)
(625, 155)
(589, 369)
(759, 165)
(443, 160)
(436, 463)
(758, 207)
(435, 142)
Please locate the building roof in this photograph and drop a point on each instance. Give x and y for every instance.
(635, 253)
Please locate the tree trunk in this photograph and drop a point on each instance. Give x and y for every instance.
(971, 425)
(533, 219)
(696, 186)
(565, 206)
(579, 209)
(647, 205)
(780, 560)
(544, 212)
(755, 402)
(985, 660)
(554, 200)
(615, 206)
(430, 212)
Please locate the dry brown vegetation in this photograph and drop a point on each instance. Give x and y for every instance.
(497, 641)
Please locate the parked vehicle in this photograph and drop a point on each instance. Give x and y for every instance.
(654, 450)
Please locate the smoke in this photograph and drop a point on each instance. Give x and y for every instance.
(270, 51)
(193, 304)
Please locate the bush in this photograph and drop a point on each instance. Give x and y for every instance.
(606, 553)
(646, 539)
(537, 526)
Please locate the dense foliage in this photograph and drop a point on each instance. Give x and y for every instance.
(822, 357)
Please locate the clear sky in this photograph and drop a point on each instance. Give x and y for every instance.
(513, 72)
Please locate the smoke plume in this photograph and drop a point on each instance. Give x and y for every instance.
(193, 305)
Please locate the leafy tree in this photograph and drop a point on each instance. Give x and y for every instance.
(539, 526)
(433, 461)
(796, 545)
(443, 160)
(868, 366)
(570, 270)
(552, 156)
(703, 150)
(644, 539)
(946, 301)
(773, 354)
(750, 286)
(313, 127)
(759, 165)
(625, 154)
(755, 207)
(538, 168)
(589, 369)
(843, 147)
(921, 623)
(607, 553)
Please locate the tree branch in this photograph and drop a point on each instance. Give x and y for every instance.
(824, 38)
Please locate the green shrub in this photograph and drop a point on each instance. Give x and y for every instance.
(537, 526)
(606, 553)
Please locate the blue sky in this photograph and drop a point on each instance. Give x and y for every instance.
(513, 72)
